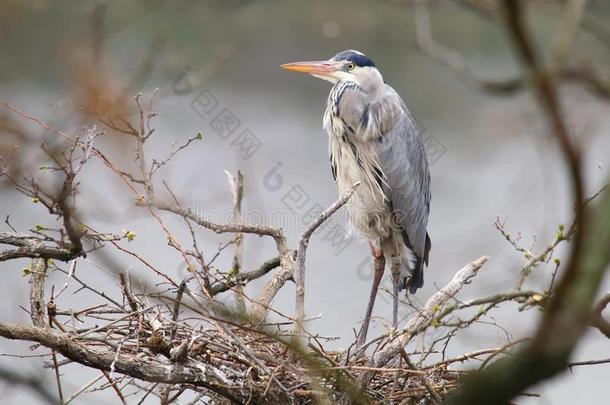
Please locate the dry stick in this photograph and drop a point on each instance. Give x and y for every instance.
(82, 389)
(236, 184)
(176, 395)
(133, 304)
(68, 278)
(19, 239)
(436, 398)
(156, 164)
(196, 252)
(102, 327)
(299, 271)
(46, 252)
(148, 391)
(165, 394)
(31, 246)
(37, 305)
(588, 362)
(492, 300)
(262, 230)
(543, 256)
(176, 312)
(57, 378)
(261, 305)
(263, 269)
(114, 386)
(145, 262)
(472, 355)
(93, 290)
(424, 318)
(501, 350)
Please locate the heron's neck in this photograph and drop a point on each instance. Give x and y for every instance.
(371, 82)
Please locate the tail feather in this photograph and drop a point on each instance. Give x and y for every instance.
(414, 266)
(417, 277)
(427, 248)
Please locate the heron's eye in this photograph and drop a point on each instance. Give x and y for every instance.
(350, 66)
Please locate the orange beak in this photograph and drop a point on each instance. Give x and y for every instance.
(312, 67)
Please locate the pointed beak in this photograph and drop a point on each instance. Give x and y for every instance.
(324, 67)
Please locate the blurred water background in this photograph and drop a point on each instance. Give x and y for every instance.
(492, 155)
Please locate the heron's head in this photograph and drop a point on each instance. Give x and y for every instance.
(347, 65)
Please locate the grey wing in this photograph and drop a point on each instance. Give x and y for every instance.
(404, 163)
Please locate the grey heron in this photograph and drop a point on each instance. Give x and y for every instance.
(373, 139)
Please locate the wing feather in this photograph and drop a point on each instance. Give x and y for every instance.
(403, 160)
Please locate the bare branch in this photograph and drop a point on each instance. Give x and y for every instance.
(236, 183)
(262, 230)
(194, 373)
(245, 277)
(299, 271)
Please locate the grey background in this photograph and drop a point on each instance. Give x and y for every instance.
(498, 159)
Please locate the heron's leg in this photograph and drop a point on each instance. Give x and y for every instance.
(396, 263)
(379, 266)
